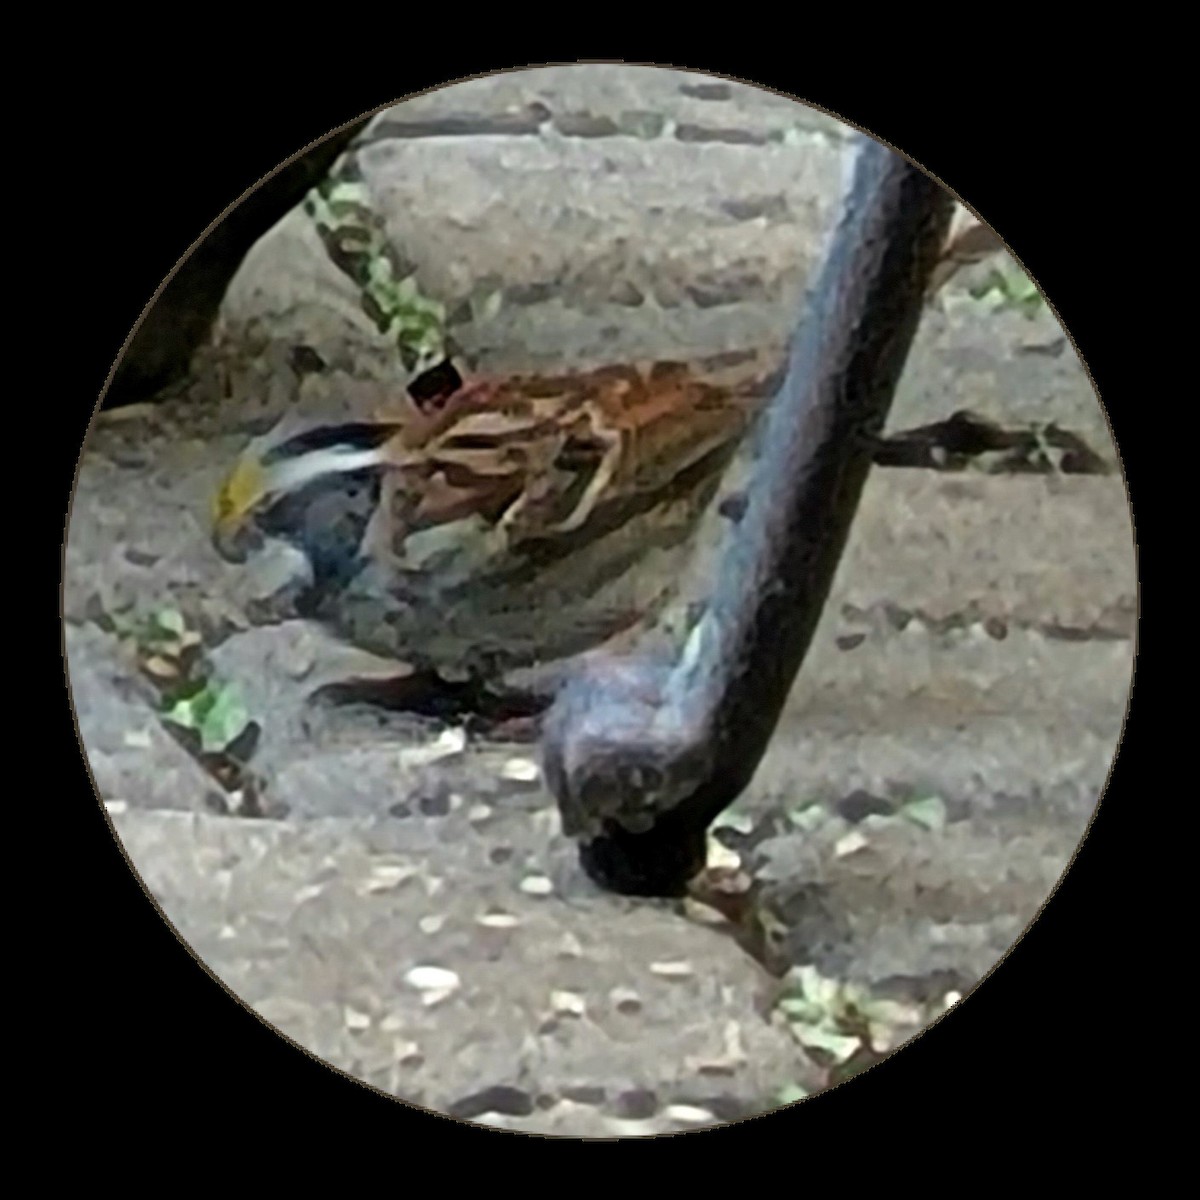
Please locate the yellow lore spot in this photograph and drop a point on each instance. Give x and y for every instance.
(242, 490)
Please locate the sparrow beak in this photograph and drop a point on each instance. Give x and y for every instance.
(244, 488)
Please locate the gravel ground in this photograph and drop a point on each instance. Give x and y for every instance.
(977, 647)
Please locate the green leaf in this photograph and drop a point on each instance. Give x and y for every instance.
(739, 822)
(185, 712)
(926, 811)
(1007, 286)
(216, 712)
(225, 719)
(1019, 286)
(819, 1037)
(170, 620)
(797, 1008)
(806, 818)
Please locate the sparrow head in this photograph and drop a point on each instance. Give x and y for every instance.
(289, 463)
(296, 486)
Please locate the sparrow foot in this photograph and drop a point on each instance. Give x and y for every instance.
(659, 862)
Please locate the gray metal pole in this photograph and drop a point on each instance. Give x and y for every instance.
(641, 756)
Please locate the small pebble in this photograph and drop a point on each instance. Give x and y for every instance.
(355, 1019)
(431, 924)
(479, 812)
(537, 885)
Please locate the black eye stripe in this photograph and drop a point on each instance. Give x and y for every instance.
(326, 519)
(355, 435)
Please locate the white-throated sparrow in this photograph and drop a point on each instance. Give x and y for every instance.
(492, 525)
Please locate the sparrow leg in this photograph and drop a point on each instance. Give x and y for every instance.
(641, 757)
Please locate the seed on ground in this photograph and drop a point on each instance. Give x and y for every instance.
(426, 979)
(451, 742)
(689, 1113)
(356, 1019)
(407, 1054)
(568, 1003)
(625, 1000)
(385, 877)
(852, 843)
(522, 770)
(720, 856)
(673, 969)
(498, 920)
(537, 885)
(569, 946)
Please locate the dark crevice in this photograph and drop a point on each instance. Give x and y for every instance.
(484, 710)
(963, 439)
(500, 1098)
(706, 91)
(585, 125)
(1116, 623)
(523, 123)
(705, 133)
